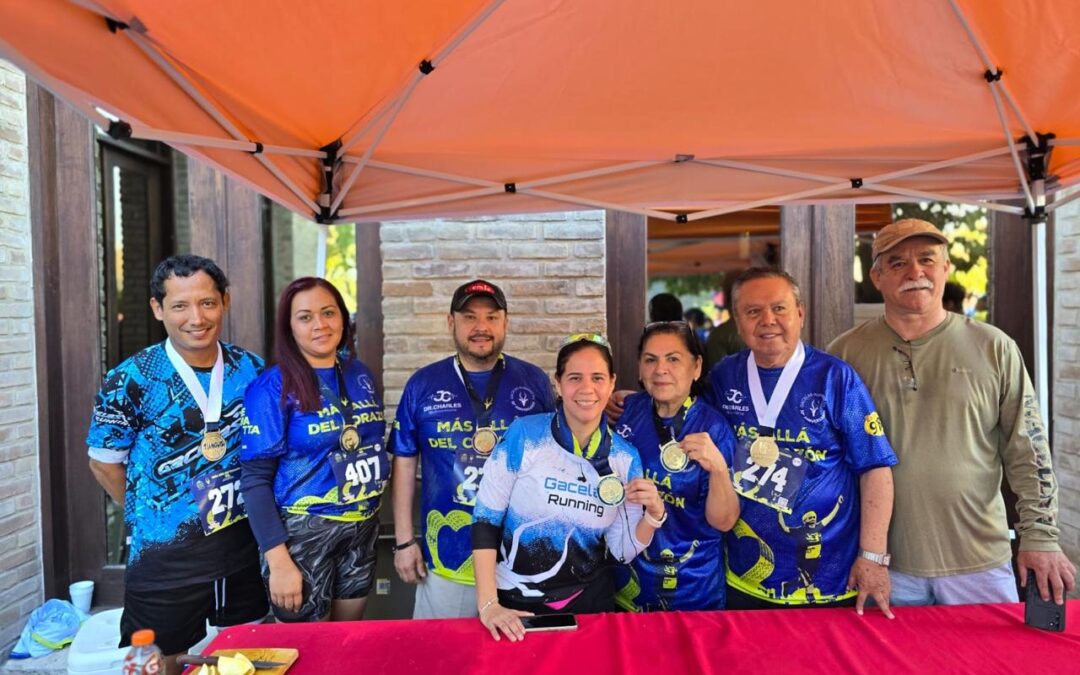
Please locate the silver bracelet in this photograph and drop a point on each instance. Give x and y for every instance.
(487, 604)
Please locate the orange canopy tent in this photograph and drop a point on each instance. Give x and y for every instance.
(366, 110)
(361, 110)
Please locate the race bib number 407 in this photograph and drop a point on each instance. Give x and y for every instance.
(360, 474)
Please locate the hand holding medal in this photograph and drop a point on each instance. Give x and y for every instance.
(700, 448)
(643, 491)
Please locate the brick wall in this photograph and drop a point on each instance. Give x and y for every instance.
(1066, 375)
(20, 513)
(551, 267)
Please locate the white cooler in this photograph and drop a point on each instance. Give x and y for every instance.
(94, 650)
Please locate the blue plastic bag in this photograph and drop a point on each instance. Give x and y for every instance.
(50, 627)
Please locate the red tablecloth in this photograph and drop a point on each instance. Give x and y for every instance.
(963, 639)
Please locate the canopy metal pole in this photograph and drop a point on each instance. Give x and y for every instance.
(582, 201)
(768, 170)
(942, 197)
(426, 173)
(421, 201)
(943, 164)
(489, 187)
(359, 167)
(177, 137)
(770, 201)
(1012, 144)
(211, 108)
(588, 173)
(320, 251)
(1041, 366)
(990, 66)
(425, 68)
(1062, 202)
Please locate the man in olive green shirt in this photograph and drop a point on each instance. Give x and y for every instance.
(958, 407)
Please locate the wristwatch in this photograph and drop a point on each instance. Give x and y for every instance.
(879, 558)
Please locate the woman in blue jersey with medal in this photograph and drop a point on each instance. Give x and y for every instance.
(561, 498)
(314, 464)
(686, 448)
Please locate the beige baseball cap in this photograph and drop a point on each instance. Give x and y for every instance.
(894, 233)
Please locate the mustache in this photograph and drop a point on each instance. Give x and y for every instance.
(918, 284)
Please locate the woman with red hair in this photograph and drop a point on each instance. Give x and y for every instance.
(314, 465)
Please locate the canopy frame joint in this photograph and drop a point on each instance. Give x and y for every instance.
(330, 167)
(119, 130)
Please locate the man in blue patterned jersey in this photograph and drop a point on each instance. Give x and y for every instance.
(164, 442)
(812, 464)
(452, 413)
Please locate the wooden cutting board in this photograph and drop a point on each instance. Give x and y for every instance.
(286, 656)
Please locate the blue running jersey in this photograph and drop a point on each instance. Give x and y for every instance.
(435, 420)
(683, 567)
(305, 443)
(145, 416)
(543, 501)
(799, 531)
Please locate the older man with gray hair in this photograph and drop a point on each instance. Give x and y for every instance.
(811, 463)
(959, 408)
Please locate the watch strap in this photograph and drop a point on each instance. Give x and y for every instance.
(882, 559)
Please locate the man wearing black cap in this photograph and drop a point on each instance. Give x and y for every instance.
(959, 408)
(453, 412)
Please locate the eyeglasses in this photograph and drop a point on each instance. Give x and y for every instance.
(909, 380)
(595, 338)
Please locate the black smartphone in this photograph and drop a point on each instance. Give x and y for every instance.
(545, 622)
(1047, 615)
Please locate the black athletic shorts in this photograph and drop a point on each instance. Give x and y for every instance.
(336, 559)
(178, 616)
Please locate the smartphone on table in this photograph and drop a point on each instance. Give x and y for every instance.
(549, 622)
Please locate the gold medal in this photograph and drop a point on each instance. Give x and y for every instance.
(764, 451)
(213, 445)
(611, 490)
(672, 457)
(349, 439)
(484, 441)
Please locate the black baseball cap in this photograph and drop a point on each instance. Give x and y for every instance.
(477, 288)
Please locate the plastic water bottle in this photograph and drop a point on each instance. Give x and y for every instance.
(144, 658)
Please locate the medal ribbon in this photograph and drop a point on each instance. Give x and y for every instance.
(599, 445)
(673, 432)
(341, 398)
(209, 405)
(768, 412)
(483, 408)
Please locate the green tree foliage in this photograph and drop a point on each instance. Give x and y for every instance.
(341, 261)
(966, 228)
(694, 284)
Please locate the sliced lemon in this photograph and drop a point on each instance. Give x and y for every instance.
(234, 665)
